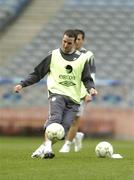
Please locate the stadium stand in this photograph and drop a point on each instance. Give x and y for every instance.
(109, 34)
(10, 10)
(26, 27)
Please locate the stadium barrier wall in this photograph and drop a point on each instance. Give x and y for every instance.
(96, 121)
(28, 121)
(108, 121)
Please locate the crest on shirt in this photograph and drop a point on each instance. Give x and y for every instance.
(69, 69)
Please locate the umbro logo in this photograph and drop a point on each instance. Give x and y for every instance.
(67, 83)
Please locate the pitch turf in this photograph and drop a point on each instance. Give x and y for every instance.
(16, 163)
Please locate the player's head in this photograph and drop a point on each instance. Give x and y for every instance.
(68, 41)
(80, 38)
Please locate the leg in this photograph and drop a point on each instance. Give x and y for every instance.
(39, 152)
(44, 150)
(73, 136)
(78, 137)
(69, 138)
(72, 130)
(48, 153)
(56, 107)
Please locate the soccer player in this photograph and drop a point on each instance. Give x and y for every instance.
(66, 68)
(74, 137)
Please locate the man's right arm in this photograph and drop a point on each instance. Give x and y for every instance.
(39, 72)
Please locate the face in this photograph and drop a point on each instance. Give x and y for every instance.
(79, 42)
(68, 44)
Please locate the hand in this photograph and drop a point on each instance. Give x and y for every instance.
(17, 88)
(88, 98)
(93, 92)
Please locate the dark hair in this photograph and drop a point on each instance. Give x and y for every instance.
(79, 31)
(71, 33)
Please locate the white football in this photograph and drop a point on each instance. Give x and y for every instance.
(55, 131)
(104, 149)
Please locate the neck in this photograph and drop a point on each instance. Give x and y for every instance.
(71, 52)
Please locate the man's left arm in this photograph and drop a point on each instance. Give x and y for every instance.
(88, 80)
(92, 67)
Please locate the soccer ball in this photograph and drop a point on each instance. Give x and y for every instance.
(104, 149)
(55, 131)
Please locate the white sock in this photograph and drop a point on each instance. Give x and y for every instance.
(48, 145)
(67, 142)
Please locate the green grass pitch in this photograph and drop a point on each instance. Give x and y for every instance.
(16, 163)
